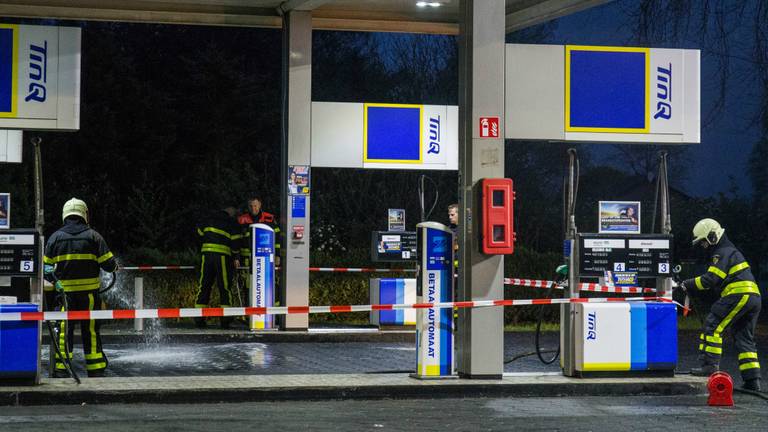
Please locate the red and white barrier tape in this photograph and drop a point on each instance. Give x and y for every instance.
(312, 269)
(614, 289)
(534, 283)
(149, 267)
(361, 270)
(286, 310)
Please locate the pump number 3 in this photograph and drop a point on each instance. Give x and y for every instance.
(26, 266)
(663, 268)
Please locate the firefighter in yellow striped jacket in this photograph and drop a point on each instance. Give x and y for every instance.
(738, 306)
(220, 239)
(78, 252)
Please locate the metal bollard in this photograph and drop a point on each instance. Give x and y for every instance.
(138, 302)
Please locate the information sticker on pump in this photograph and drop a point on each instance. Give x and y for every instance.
(27, 266)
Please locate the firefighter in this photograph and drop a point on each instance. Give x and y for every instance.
(78, 252)
(220, 237)
(738, 305)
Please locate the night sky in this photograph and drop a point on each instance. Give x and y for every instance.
(726, 140)
(210, 101)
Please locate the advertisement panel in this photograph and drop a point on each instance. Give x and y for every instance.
(396, 219)
(619, 217)
(5, 210)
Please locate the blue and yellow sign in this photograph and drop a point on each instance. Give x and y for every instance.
(392, 133)
(631, 336)
(607, 89)
(8, 69)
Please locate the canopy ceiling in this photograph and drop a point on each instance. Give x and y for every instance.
(356, 15)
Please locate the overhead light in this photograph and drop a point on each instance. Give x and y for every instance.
(428, 4)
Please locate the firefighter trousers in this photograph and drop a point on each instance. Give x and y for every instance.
(214, 268)
(740, 313)
(95, 359)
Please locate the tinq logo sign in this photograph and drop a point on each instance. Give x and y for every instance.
(38, 72)
(434, 135)
(664, 92)
(592, 326)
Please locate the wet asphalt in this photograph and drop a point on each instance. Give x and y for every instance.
(630, 413)
(161, 356)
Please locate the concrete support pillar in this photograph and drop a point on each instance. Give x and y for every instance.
(480, 338)
(297, 100)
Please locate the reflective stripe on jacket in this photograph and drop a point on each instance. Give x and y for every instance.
(219, 234)
(728, 272)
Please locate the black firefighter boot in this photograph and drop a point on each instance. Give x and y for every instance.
(705, 370)
(752, 384)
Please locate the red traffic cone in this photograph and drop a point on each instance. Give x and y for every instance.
(720, 387)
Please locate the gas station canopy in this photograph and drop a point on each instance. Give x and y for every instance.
(411, 16)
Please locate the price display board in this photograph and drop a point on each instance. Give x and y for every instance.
(393, 246)
(647, 255)
(18, 252)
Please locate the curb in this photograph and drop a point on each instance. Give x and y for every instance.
(401, 388)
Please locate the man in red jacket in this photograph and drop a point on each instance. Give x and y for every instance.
(253, 215)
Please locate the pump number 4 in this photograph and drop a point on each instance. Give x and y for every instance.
(664, 268)
(26, 266)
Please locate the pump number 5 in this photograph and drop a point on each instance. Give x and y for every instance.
(663, 268)
(26, 266)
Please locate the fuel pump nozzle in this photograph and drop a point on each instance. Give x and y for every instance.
(679, 286)
(562, 271)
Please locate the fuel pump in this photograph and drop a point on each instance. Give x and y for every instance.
(20, 265)
(21, 257)
(626, 338)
